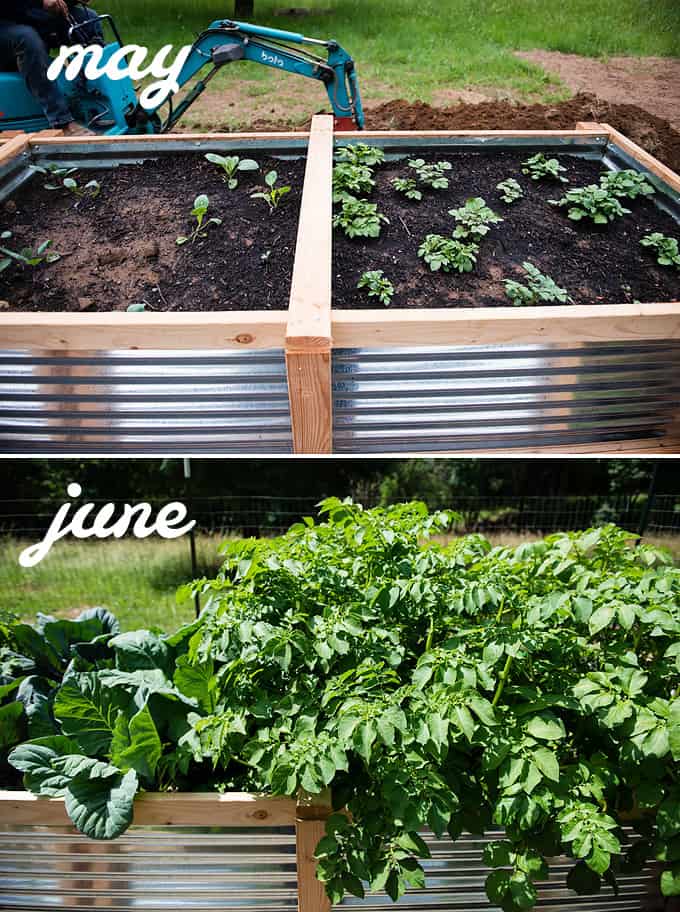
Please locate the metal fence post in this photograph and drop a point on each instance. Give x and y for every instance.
(649, 503)
(192, 536)
(310, 827)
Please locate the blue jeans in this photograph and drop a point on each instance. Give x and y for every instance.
(23, 48)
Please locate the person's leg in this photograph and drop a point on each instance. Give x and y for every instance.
(23, 45)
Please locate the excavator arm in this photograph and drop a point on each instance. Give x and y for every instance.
(226, 41)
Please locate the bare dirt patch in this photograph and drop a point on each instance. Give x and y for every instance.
(652, 83)
(120, 248)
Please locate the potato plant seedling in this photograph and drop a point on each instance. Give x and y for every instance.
(351, 180)
(361, 154)
(539, 288)
(431, 175)
(665, 248)
(592, 202)
(474, 219)
(359, 218)
(626, 184)
(408, 187)
(448, 254)
(538, 167)
(377, 286)
(510, 189)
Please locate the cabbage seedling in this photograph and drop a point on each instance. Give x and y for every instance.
(447, 254)
(666, 248)
(273, 195)
(231, 165)
(378, 286)
(539, 288)
(27, 256)
(201, 205)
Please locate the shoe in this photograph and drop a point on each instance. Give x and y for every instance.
(75, 129)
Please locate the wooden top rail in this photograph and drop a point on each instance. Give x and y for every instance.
(239, 329)
(506, 325)
(232, 809)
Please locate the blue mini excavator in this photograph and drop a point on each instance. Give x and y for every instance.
(111, 106)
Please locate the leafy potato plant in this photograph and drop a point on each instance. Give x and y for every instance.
(377, 285)
(593, 202)
(453, 687)
(665, 248)
(448, 253)
(539, 287)
(359, 218)
(361, 154)
(351, 180)
(474, 219)
(538, 167)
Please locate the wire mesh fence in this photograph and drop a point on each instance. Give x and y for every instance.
(138, 578)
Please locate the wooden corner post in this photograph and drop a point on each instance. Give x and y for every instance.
(308, 333)
(310, 827)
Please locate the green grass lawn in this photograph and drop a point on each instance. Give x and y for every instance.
(406, 49)
(137, 580)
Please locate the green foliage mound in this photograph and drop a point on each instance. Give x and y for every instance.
(448, 687)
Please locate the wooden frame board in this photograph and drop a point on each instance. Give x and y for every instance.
(200, 809)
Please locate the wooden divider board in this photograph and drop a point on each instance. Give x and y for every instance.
(308, 334)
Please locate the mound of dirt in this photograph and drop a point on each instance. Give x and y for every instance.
(653, 133)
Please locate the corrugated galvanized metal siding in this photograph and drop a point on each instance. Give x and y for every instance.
(165, 869)
(456, 875)
(159, 870)
(496, 397)
(169, 402)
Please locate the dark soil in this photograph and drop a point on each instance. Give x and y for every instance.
(119, 249)
(596, 264)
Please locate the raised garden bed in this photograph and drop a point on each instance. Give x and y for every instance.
(598, 375)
